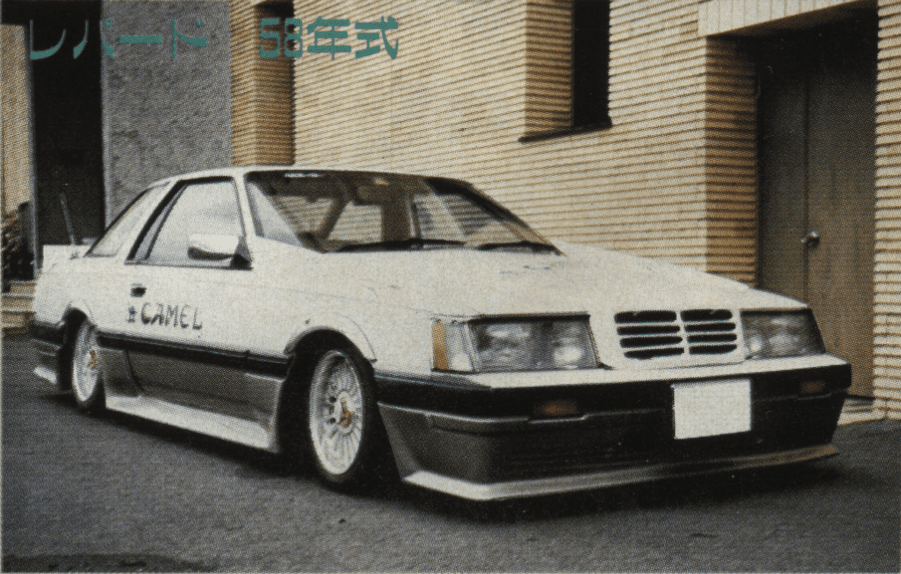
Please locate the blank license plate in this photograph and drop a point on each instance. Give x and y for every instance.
(712, 408)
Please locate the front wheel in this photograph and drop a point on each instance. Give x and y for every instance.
(86, 384)
(343, 422)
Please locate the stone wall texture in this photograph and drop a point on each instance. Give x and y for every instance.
(15, 106)
(163, 116)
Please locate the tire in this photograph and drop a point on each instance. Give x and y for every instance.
(87, 383)
(344, 429)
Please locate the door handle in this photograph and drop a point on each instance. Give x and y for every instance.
(811, 239)
(138, 290)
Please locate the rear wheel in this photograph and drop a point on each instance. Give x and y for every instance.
(86, 384)
(342, 420)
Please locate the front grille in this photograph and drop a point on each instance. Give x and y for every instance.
(647, 335)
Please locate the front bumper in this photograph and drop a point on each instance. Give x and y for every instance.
(626, 435)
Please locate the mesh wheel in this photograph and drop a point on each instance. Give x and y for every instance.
(342, 420)
(87, 385)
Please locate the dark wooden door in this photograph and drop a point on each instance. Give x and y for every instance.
(817, 181)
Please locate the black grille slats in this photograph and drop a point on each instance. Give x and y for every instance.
(710, 332)
(643, 342)
(652, 330)
(650, 334)
(647, 335)
(646, 317)
(706, 315)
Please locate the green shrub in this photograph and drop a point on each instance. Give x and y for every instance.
(17, 260)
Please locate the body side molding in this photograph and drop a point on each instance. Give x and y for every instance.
(267, 365)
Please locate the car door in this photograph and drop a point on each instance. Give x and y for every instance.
(187, 307)
(105, 282)
(101, 273)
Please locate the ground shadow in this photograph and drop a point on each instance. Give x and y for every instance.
(100, 563)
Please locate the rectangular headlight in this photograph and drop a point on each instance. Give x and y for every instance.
(772, 334)
(514, 345)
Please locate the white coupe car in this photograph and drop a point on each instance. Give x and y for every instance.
(353, 317)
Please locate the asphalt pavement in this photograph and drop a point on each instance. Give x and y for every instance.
(114, 493)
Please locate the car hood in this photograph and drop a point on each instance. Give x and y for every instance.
(457, 282)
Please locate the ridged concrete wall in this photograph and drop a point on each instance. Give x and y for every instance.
(887, 342)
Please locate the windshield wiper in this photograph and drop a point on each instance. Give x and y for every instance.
(397, 245)
(535, 245)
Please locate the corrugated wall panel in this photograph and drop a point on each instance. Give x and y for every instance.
(731, 163)
(262, 92)
(887, 328)
(547, 26)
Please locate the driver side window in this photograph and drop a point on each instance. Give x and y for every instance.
(209, 208)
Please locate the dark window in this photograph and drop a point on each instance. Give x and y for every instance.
(203, 208)
(590, 60)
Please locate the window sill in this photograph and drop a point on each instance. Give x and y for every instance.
(570, 131)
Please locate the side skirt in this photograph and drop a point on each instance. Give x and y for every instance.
(48, 354)
(228, 428)
(47, 374)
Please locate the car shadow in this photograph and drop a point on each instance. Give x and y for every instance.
(254, 463)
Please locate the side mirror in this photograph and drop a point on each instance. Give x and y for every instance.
(219, 248)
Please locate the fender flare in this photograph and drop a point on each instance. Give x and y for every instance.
(80, 306)
(335, 323)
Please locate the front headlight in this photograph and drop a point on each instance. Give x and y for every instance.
(771, 334)
(513, 345)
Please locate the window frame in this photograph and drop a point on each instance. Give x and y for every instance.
(601, 120)
(140, 251)
(143, 194)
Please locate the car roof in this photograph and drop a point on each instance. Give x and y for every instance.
(239, 171)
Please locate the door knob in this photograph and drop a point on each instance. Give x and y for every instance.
(811, 239)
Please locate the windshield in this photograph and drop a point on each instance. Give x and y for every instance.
(360, 211)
